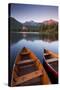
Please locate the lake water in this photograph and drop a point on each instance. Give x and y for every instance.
(34, 41)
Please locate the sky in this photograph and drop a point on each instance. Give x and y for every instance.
(37, 13)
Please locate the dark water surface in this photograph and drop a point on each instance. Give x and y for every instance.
(34, 41)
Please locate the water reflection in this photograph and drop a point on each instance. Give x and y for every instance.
(14, 37)
(34, 42)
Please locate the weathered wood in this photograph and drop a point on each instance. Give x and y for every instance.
(51, 60)
(28, 69)
(46, 54)
(54, 55)
(51, 65)
(27, 77)
(25, 62)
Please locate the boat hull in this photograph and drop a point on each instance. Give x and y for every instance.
(52, 73)
(28, 71)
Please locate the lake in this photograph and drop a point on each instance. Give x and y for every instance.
(34, 41)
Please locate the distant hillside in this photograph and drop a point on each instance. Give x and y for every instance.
(14, 25)
(50, 22)
(48, 26)
(32, 26)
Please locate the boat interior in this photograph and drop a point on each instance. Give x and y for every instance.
(27, 73)
(51, 60)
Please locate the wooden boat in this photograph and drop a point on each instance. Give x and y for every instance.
(51, 65)
(28, 70)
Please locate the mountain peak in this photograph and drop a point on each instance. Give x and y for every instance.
(31, 23)
(51, 21)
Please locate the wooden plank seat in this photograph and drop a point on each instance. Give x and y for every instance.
(46, 54)
(25, 69)
(28, 76)
(25, 62)
(34, 81)
(51, 60)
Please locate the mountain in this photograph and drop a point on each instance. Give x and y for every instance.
(35, 24)
(31, 23)
(14, 24)
(50, 22)
(49, 26)
(31, 26)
